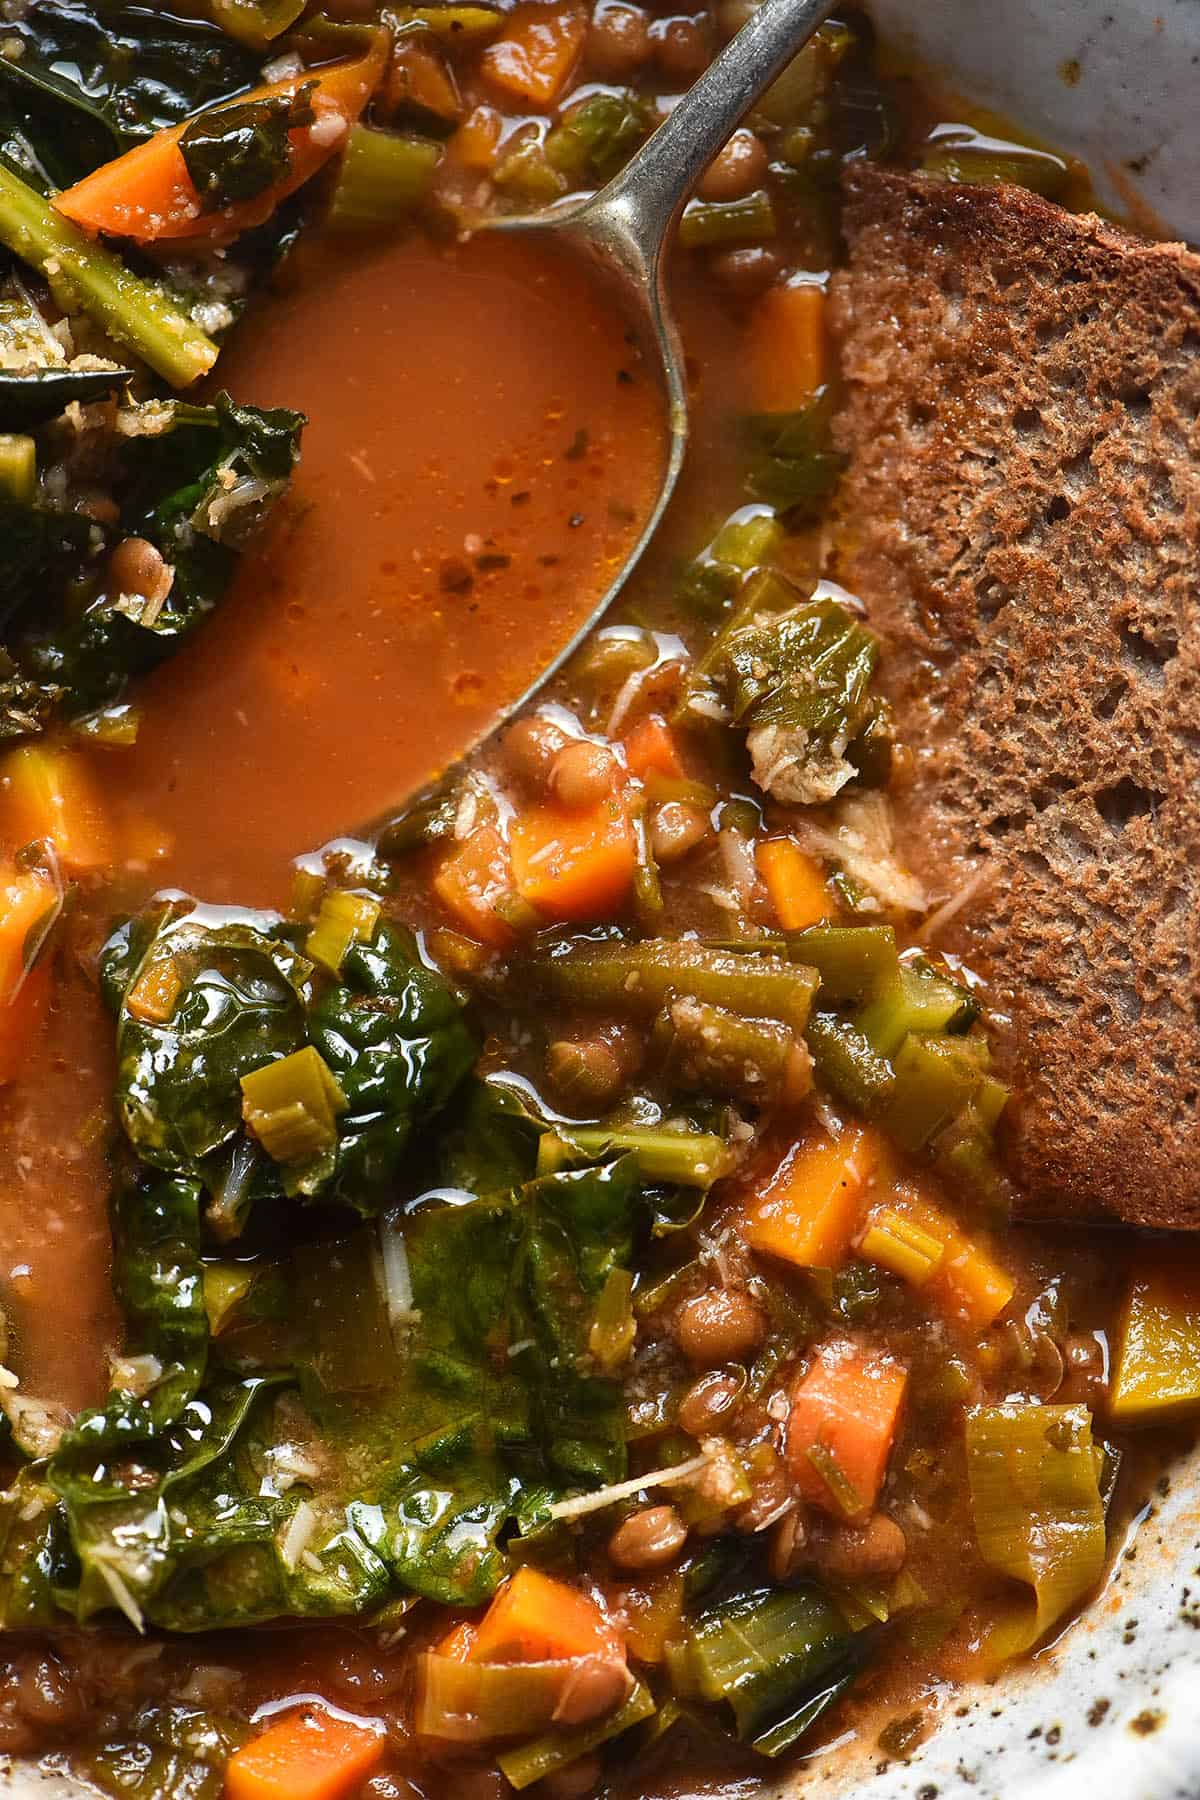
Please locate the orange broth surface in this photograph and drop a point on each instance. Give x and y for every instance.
(483, 447)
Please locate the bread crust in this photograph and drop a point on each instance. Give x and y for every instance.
(1021, 516)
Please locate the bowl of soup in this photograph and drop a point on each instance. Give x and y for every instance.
(518, 1276)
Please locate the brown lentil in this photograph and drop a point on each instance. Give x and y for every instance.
(137, 566)
(676, 829)
(618, 41)
(530, 747)
(719, 1326)
(649, 1539)
(739, 166)
(748, 272)
(582, 774)
(710, 1399)
(681, 47)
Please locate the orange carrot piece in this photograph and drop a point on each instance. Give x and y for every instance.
(574, 865)
(795, 884)
(650, 749)
(418, 75)
(843, 1418)
(537, 1619)
(471, 879)
(475, 143)
(459, 1641)
(536, 56)
(305, 1755)
(49, 793)
(787, 347)
(147, 194)
(808, 1213)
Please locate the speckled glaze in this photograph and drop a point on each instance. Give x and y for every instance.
(1112, 1710)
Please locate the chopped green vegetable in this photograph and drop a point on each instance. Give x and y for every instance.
(959, 153)
(37, 395)
(598, 135)
(853, 961)
(792, 466)
(84, 275)
(709, 224)
(699, 1046)
(915, 998)
(292, 1106)
(639, 978)
(234, 153)
(166, 1753)
(1034, 1475)
(344, 918)
(558, 1749)
(692, 1159)
(18, 468)
(383, 176)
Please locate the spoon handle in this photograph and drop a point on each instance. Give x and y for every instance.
(648, 194)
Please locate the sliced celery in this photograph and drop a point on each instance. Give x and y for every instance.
(935, 1078)
(900, 1244)
(692, 1159)
(777, 1657)
(18, 468)
(917, 998)
(546, 1755)
(85, 276)
(384, 176)
(614, 1327)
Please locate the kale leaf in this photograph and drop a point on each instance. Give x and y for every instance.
(198, 490)
(242, 995)
(793, 466)
(234, 153)
(34, 398)
(166, 1753)
(92, 79)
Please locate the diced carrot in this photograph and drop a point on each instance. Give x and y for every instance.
(795, 884)
(147, 194)
(841, 1426)
(305, 1755)
(459, 1641)
(967, 1284)
(419, 76)
(650, 748)
(574, 865)
(477, 139)
(471, 879)
(809, 1211)
(787, 347)
(49, 793)
(537, 1619)
(536, 56)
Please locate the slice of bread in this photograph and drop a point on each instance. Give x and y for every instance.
(1021, 517)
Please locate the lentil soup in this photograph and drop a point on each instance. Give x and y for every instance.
(527, 1296)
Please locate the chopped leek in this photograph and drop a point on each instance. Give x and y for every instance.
(1033, 1473)
(291, 1106)
(713, 224)
(959, 153)
(155, 994)
(637, 978)
(600, 134)
(779, 1658)
(84, 275)
(900, 1244)
(935, 1078)
(845, 1495)
(479, 1702)
(745, 541)
(384, 176)
(532, 1762)
(343, 919)
(225, 1287)
(18, 468)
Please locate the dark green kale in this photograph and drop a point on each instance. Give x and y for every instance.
(198, 489)
(34, 398)
(90, 80)
(240, 996)
(234, 153)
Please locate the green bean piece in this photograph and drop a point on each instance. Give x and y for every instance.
(637, 979)
(708, 1048)
(846, 1061)
(385, 175)
(960, 154)
(18, 468)
(712, 224)
(599, 134)
(917, 998)
(86, 276)
(853, 961)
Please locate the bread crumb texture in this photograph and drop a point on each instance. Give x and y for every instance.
(1021, 515)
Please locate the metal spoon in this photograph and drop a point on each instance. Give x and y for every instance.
(625, 231)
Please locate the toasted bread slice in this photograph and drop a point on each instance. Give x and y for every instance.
(1021, 517)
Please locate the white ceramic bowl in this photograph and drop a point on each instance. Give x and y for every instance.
(1112, 1712)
